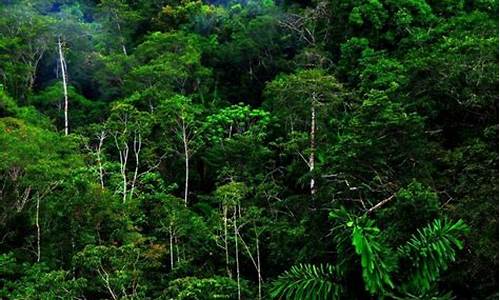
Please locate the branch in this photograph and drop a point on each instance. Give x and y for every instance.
(378, 205)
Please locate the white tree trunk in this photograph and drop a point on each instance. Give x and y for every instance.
(137, 151)
(123, 154)
(171, 247)
(37, 228)
(105, 278)
(259, 273)
(313, 147)
(256, 263)
(236, 253)
(101, 136)
(186, 162)
(122, 39)
(65, 87)
(226, 246)
(176, 242)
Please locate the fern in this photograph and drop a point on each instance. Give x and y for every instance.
(307, 281)
(430, 250)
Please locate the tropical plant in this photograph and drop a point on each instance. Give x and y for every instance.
(428, 252)
(306, 281)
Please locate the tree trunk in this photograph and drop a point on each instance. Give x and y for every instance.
(65, 87)
(37, 228)
(137, 151)
(259, 274)
(256, 263)
(236, 253)
(33, 67)
(186, 163)
(313, 147)
(122, 39)
(102, 136)
(171, 247)
(226, 246)
(176, 242)
(123, 155)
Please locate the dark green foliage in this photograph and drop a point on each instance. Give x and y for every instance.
(258, 149)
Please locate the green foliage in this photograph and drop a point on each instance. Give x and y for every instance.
(191, 288)
(431, 250)
(376, 261)
(414, 206)
(389, 106)
(234, 121)
(118, 21)
(170, 61)
(291, 96)
(231, 194)
(376, 268)
(308, 282)
(41, 283)
(418, 262)
(20, 54)
(117, 269)
(82, 110)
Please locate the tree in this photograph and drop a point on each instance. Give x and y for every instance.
(171, 62)
(68, 29)
(230, 196)
(180, 115)
(116, 268)
(235, 137)
(26, 39)
(117, 20)
(128, 127)
(286, 96)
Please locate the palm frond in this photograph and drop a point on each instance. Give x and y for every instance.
(430, 250)
(306, 281)
(376, 263)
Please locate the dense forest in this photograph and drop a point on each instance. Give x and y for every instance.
(249, 149)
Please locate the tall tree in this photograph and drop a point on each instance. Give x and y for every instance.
(321, 92)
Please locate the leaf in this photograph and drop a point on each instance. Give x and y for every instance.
(308, 282)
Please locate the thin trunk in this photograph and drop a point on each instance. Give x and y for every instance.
(65, 87)
(37, 228)
(313, 147)
(105, 277)
(124, 174)
(259, 273)
(171, 247)
(177, 249)
(124, 49)
(226, 246)
(73, 247)
(137, 151)
(102, 136)
(236, 253)
(34, 67)
(123, 155)
(256, 263)
(122, 39)
(186, 162)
